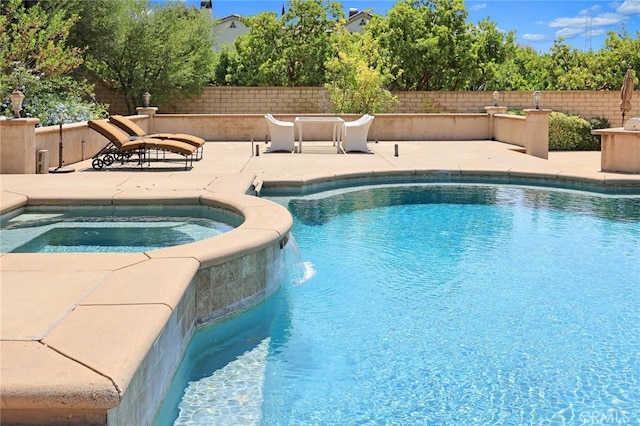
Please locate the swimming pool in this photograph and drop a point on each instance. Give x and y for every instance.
(435, 304)
(99, 229)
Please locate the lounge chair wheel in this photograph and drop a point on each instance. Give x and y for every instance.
(108, 160)
(97, 164)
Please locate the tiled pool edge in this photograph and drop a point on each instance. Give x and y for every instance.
(596, 183)
(245, 267)
(231, 275)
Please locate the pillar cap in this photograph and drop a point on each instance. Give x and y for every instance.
(20, 121)
(147, 110)
(495, 109)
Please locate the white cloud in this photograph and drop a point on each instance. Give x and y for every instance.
(567, 22)
(605, 19)
(534, 37)
(595, 33)
(601, 20)
(629, 7)
(571, 27)
(569, 32)
(593, 9)
(478, 6)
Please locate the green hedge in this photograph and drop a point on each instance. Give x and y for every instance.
(571, 132)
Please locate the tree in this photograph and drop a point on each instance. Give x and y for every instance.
(563, 65)
(620, 52)
(290, 51)
(37, 61)
(573, 69)
(167, 50)
(355, 86)
(225, 68)
(97, 25)
(523, 69)
(490, 49)
(36, 40)
(308, 26)
(257, 53)
(425, 44)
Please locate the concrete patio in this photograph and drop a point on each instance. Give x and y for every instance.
(75, 329)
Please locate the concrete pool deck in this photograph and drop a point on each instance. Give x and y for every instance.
(74, 328)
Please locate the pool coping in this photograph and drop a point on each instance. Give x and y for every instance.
(77, 383)
(603, 185)
(78, 359)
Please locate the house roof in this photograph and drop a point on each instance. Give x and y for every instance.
(358, 16)
(232, 17)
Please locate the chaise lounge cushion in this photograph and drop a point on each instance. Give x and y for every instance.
(132, 129)
(121, 140)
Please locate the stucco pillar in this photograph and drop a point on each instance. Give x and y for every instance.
(151, 112)
(18, 145)
(536, 132)
(620, 150)
(493, 110)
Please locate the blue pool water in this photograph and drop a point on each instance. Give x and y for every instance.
(122, 229)
(434, 305)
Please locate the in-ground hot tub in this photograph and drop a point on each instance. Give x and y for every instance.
(94, 338)
(111, 228)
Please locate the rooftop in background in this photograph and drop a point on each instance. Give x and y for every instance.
(582, 23)
(228, 28)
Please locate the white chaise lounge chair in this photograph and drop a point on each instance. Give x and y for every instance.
(354, 134)
(281, 132)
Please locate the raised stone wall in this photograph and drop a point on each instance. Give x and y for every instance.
(309, 100)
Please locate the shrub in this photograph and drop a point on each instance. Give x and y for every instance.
(50, 99)
(566, 131)
(52, 108)
(356, 87)
(431, 107)
(593, 143)
(573, 133)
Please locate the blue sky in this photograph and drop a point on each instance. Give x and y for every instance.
(537, 23)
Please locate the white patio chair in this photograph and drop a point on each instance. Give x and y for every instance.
(354, 134)
(281, 132)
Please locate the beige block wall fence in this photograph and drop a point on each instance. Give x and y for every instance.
(309, 100)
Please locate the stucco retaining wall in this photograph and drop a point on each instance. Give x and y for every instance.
(79, 142)
(390, 127)
(19, 153)
(509, 129)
